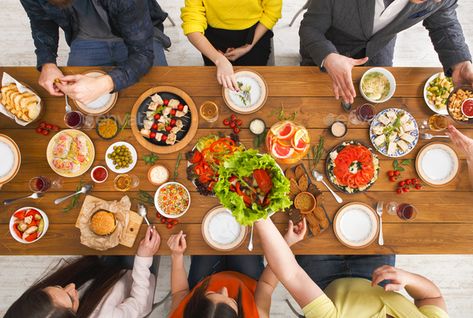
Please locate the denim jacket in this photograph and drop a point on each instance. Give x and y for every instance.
(135, 21)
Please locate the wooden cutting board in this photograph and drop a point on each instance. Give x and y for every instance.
(129, 236)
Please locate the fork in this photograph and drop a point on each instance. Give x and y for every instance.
(68, 106)
(428, 136)
(379, 210)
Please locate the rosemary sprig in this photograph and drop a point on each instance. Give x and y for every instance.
(176, 168)
(125, 123)
(74, 200)
(318, 151)
(281, 114)
(258, 140)
(145, 197)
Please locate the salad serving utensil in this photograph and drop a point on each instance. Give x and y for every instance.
(142, 211)
(250, 244)
(379, 210)
(428, 136)
(320, 178)
(85, 189)
(34, 196)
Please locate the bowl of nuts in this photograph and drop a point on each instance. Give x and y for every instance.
(460, 104)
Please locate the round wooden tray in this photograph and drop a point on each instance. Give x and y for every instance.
(336, 220)
(421, 175)
(12, 144)
(178, 145)
(261, 101)
(101, 110)
(209, 243)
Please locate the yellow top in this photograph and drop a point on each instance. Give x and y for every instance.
(229, 14)
(354, 297)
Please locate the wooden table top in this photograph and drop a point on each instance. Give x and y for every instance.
(443, 224)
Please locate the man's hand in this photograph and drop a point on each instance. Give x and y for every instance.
(233, 54)
(225, 75)
(462, 142)
(85, 89)
(150, 244)
(463, 74)
(398, 278)
(339, 68)
(295, 233)
(49, 73)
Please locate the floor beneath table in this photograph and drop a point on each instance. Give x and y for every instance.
(453, 274)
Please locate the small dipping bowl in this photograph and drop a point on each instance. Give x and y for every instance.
(96, 170)
(338, 129)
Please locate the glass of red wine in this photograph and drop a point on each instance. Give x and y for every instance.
(77, 120)
(362, 114)
(406, 212)
(43, 184)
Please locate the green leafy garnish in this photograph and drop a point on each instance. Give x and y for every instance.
(398, 166)
(176, 168)
(144, 197)
(242, 164)
(281, 114)
(318, 152)
(150, 159)
(258, 140)
(74, 200)
(125, 123)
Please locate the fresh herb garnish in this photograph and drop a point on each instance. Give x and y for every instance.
(74, 200)
(150, 159)
(258, 140)
(244, 93)
(318, 152)
(125, 123)
(176, 168)
(281, 115)
(145, 197)
(398, 166)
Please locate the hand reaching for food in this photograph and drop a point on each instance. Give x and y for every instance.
(85, 89)
(461, 141)
(463, 74)
(177, 243)
(339, 68)
(49, 73)
(295, 233)
(149, 245)
(225, 75)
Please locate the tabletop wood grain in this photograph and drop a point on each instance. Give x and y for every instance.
(443, 224)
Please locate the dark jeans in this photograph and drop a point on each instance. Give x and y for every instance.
(126, 262)
(107, 53)
(324, 269)
(203, 266)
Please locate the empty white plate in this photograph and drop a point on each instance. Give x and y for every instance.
(356, 225)
(258, 93)
(221, 231)
(437, 164)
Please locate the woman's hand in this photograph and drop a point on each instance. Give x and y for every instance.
(295, 233)
(177, 244)
(150, 244)
(233, 54)
(398, 278)
(85, 89)
(461, 141)
(49, 73)
(225, 75)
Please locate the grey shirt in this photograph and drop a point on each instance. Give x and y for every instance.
(93, 21)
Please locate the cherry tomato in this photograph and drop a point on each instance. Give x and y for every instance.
(49, 126)
(168, 128)
(239, 122)
(402, 183)
(165, 102)
(163, 220)
(174, 222)
(236, 130)
(173, 112)
(152, 135)
(392, 179)
(169, 226)
(45, 132)
(43, 124)
(408, 181)
(55, 128)
(226, 122)
(414, 180)
(397, 173)
(391, 173)
(164, 137)
(418, 186)
(405, 189)
(180, 107)
(232, 124)
(157, 116)
(173, 122)
(233, 117)
(39, 130)
(155, 126)
(399, 190)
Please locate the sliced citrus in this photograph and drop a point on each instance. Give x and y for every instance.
(281, 152)
(301, 139)
(276, 127)
(283, 130)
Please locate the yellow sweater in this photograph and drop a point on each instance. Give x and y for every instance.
(355, 298)
(229, 14)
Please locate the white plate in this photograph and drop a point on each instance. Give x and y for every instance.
(109, 161)
(10, 159)
(171, 216)
(389, 76)
(221, 231)
(437, 164)
(356, 225)
(258, 93)
(45, 229)
(432, 106)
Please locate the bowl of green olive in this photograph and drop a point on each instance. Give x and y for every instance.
(121, 157)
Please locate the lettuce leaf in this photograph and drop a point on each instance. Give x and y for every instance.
(242, 164)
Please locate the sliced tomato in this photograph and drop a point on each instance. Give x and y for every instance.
(20, 214)
(196, 157)
(17, 231)
(32, 237)
(263, 180)
(32, 212)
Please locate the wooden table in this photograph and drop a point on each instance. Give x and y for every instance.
(443, 226)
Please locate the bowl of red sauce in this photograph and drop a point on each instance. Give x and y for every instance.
(99, 174)
(467, 107)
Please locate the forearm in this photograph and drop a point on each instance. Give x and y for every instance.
(421, 288)
(178, 275)
(470, 170)
(202, 44)
(259, 32)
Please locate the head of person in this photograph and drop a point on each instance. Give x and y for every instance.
(54, 296)
(213, 304)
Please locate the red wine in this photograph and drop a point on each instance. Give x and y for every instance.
(406, 211)
(74, 119)
(365, 112)
(40, 184)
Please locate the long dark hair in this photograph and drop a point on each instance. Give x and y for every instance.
(200, 306)
(36, 303)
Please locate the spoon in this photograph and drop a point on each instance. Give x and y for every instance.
(68, 106)
(250, 244)
(86, 188)
(320, 178)
(142, 212)
(34, 196)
